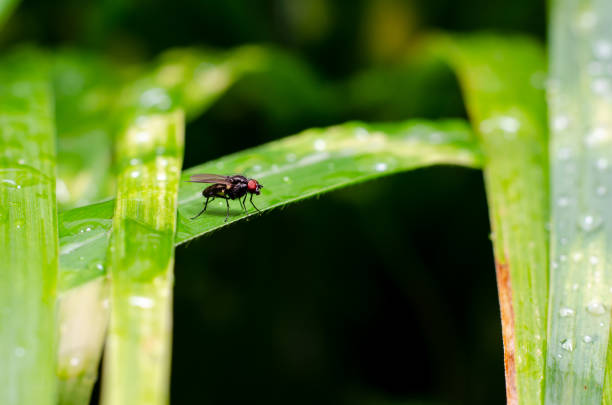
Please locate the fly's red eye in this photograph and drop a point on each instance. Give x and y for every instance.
(252, 185)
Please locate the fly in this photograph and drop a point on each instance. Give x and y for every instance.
(228, 188)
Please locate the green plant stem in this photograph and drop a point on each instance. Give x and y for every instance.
(28, 232)
(141, 258)
(502, 79)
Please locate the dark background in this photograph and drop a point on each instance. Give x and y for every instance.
(382, 293)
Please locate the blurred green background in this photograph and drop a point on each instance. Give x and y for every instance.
(382, 293)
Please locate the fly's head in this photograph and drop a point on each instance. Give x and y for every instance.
(254, 187)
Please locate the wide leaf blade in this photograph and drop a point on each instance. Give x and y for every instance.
(502, 80)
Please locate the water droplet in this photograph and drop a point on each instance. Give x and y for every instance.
(602, 49)
(587, 339)
(361, 133)
(601, 191)
(587, 20)
(554, 264)
(286, 179)
(600, 86)
(563, 202)
(593, 260)
(590, 222)
(560, 122)
(134, 174)
(597, 136)
(319, 145)
(142, 136)
(135, 161)
(8, 182)
(596, 308)
(162, 177)
(381, 167)
(577, 257)
(509, 124)
(20, 351)
(601, 324)
(141, 302)
(560, 356)
(105, 303)
(575, 287)
(436, 137)
(88, 229)
(156, 97)
(567, 344)
(257, 168)
(566, 312)
(602, 163)
(100, 266)
(75, 361)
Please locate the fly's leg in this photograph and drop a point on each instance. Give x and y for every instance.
(227, 214)
(204, 209)
(244, 204)
(251, 200)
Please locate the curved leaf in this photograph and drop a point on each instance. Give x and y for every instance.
(291, 169)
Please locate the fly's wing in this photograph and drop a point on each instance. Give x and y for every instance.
(210, 178)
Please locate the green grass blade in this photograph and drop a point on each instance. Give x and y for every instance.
(581, 234)
(502, 82)
(6, 9)
(85, 87)
(83, 319)
(291, 169)
(141, 259)
(28, 232)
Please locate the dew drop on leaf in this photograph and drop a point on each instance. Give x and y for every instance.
(596, 308)
(567, 344)
(563, 202)
(602, 49)
(601, 191)
(602, 164)
(590, 222)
